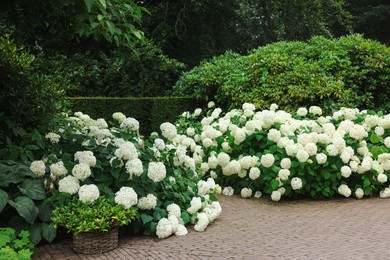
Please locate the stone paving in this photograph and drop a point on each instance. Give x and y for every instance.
(262, 229)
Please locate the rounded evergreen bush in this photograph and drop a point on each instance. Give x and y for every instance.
(349, 71)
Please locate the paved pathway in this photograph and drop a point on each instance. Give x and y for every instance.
(262, 229)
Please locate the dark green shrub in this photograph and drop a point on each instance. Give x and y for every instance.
(149, 111)
(145, 72)
(27, 99)
(349, 71)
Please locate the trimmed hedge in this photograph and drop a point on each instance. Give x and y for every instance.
(149, 111)
(349, 71)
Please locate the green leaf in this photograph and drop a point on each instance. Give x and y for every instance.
(274, 184)
(366, 183)
(44, 212)
(35, 233)
(26, 208)
(89, 4)
(186, 217)
(48, 231)
(3, 199)
(326, 175)
(146, 218)
(33, 189)
(374, 138)
(103, 3)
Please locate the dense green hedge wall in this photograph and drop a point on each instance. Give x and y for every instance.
(349, 71)
(149, 111)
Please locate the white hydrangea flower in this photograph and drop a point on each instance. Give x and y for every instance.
(181, 231)
(130, 123)
(233, 167)
(89, 193)
(174, 210)
(387, 142)
(53, 137)
(58, 169)
(283, 174)
(311, 149)
(254, 173)
(321, 158)
(118, 116)
(226, 146)
(69, 184)
(86, 157)
(127, 197)
(228, 191)
(273, 107)
(346, 171)
(134, 167)
(384, 194)
(274, 135)
(382, 178)
(203, 222)
(358, 132)
(156, 171)
(159, 143)
(197, 112)
(292, 149)
(38, 168)
(205, 187)
(246, 192)
(332, 150)
(196, 204)
(216, 113)
(190, 131)
(379, 131)
(126, 151)
(148, 202)
(213, 210)
(239, 136)
(211, 104)
(296, 183)
(344, 190)
(258, 194)
(81, 171)
(164, 228)
(302, 111)
(101, 123)
(168, 130)
(302, 155)
(267, 160)
(285, 163)
(359, 193)
(315, 110)
(223, 159)
(276, 195)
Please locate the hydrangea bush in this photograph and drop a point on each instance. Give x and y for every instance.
(298, 155)
(88, 158)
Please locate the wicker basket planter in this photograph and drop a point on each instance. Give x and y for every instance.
(95, 242)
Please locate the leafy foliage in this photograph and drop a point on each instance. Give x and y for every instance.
(194, 30)
(112, 21)
(27, 99)
(15, 246)
(22, 204)
(144, 72)
(99, 216)
(346, 71)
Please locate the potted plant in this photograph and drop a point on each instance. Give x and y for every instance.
(94, 222)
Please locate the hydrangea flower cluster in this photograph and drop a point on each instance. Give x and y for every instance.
(284, 154)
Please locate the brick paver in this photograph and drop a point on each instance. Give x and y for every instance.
(262, 229)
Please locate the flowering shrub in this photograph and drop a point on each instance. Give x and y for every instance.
(305, 154)
(89, 158)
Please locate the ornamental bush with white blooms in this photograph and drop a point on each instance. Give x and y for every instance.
(90, 158)
(291, 155)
